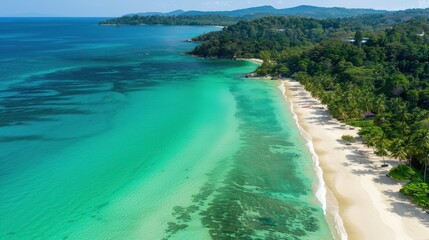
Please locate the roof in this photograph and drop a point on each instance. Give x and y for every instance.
(369, 114)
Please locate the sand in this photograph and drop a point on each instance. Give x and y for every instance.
(368, 202)
(254, 60)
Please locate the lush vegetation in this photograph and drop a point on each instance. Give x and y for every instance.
(363, 17)
(360, 69)
(402, 172)
(197, 20)
(225, 18)
(302, 11)
(270, 34)
(418, 191)
(415, 188)
(388, 76)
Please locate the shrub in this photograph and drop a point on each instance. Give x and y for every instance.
(418, 191)
(422, 201)
(348, 138)
(402, 172)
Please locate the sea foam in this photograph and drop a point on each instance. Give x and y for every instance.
(321, 191)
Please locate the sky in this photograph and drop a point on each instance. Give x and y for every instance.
(113, 8)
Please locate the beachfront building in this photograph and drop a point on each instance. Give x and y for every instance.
(368, 115)
(352, 40)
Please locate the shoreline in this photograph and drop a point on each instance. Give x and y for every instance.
(325, 197)
(330, 208)
(361, 201)
(253, 60)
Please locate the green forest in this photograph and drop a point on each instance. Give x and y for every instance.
(377, 65)
(226, 18)
(197, 20)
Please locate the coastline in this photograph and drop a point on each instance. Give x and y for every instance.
(253, 60)
(331, 211)
(357, 191)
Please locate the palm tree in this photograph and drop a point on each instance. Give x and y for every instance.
(400, 108)
(317, 92)
(421, 141)
(380, 104)
(366, 101)
(342, 114)
(370, 139)
(420, 115)
(402, 113)
(367, 141)
(404, 128)
(355, 111)
(410, 149)
(382, 144)
(425, 160)
(397, 149)
(327, 98)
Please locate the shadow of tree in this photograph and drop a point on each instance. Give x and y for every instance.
(401, 206)
(398, 203)
(383, 179)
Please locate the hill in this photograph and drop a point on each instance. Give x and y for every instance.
(303, 11)
(226, 18)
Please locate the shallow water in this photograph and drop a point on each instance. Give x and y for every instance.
(114, 133)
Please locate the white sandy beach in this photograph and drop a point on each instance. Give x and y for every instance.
(369, 202)
(254, 60)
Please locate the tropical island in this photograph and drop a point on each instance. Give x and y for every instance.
(369, 69)
(226, 18)
(370, 72)
(354, 69)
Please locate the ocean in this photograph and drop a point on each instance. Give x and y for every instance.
(116, 133)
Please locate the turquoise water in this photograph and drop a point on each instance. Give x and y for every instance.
(114, 133)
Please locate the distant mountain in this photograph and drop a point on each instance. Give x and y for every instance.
(304, 11)
(235, 13)
(332, 12)
(395, 16)
(364, 17)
